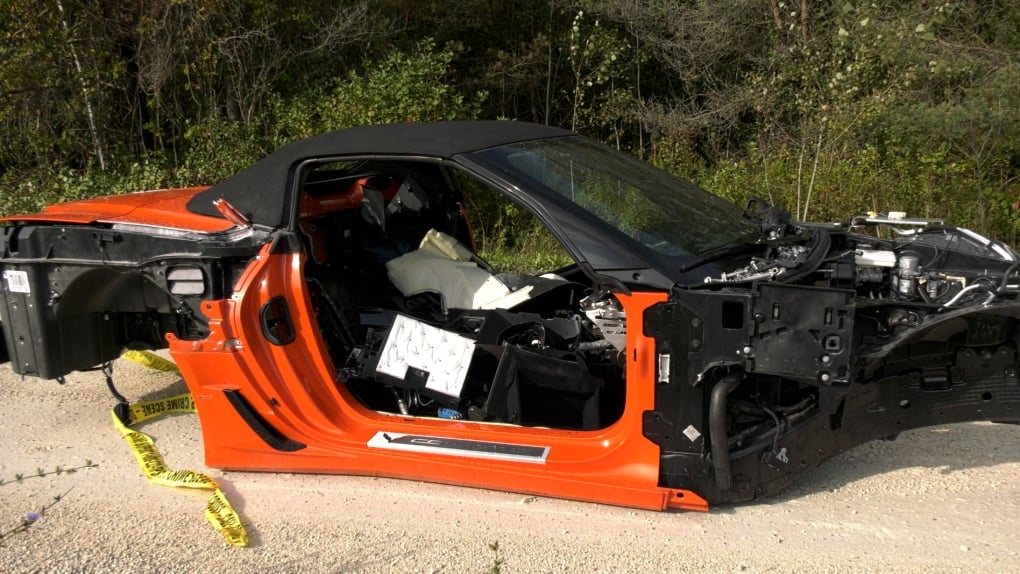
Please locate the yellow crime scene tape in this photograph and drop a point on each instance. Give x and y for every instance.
(218, 510)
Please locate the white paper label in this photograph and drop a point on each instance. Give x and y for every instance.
(17, 281)
(691, 433)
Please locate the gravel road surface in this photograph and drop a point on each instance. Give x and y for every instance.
(944, 499)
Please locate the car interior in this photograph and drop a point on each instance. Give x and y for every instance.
(418, 324)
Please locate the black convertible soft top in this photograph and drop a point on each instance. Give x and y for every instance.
(260, 191)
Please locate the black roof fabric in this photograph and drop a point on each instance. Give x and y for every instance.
(260, 191)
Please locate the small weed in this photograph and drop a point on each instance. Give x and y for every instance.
(41, 472)
(30, 518)
(497, 561)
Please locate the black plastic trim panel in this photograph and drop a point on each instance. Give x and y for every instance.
(266, 432)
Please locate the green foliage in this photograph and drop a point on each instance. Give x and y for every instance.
(403, 87)
(412, 87)
(674, 154)
(41, 92)
(922, 185)
(218, 148)
(601, 96)
(507, 236)
(28, 192)
(885, 106)
(825, 108)
(532, 257)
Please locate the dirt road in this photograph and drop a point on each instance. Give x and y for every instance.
(945, 499)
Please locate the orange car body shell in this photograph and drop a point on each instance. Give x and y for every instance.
(292, 387)
(255, 394)
(163, 208)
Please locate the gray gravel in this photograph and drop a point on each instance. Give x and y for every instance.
(944, 499)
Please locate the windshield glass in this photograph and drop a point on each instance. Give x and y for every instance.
(663, 213)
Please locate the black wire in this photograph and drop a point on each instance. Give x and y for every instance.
(941, 254)
(775, 439)
(1005, 277)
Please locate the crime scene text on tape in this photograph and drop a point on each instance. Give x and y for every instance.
(218, 510)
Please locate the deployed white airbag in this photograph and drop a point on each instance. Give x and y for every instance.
(444, 245)
(442, 266)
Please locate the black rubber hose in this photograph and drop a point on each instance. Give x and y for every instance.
(820, 244)
(717, 428)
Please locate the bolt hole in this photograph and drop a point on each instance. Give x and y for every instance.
(986, 396)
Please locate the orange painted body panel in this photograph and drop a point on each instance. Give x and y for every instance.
(292, 387)
(166, 208)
